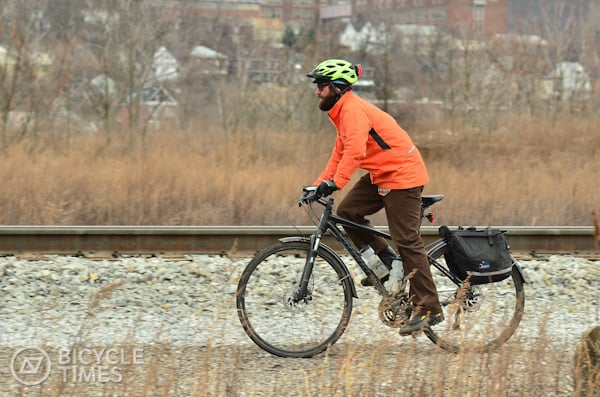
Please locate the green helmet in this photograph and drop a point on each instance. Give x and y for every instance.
(336, 71)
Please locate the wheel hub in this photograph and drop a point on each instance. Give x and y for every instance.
(473, 300)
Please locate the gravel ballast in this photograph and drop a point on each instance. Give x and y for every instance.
(60, 300)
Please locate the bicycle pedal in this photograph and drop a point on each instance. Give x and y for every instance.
(412, 334)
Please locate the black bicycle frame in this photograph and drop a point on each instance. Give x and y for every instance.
(331, 222)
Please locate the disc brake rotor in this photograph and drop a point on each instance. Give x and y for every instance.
(465, 300)
(473, 300)
(292, 304)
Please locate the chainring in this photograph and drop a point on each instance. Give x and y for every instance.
(395, 311)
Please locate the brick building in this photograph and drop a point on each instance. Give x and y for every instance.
(230, 9)
(461, 17)
(464, 17)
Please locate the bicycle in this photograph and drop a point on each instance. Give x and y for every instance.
(294, 298)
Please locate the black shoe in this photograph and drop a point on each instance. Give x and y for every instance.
(417, 323)
(387, 256)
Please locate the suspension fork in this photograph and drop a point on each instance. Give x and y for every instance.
(315, 241)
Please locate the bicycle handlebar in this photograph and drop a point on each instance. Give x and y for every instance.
(309, 195)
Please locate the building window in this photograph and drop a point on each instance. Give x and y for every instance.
(478, 13)
(402, 17)
(419, 3)
(383, 4)
(272, 13)
(437, 14)
(303, 15)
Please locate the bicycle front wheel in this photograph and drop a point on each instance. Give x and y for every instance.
(478, 317)
(272, 316)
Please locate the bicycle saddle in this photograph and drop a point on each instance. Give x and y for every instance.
(429, 199)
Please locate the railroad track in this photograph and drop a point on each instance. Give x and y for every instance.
(119, 240)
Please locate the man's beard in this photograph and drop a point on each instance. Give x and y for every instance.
(327, 103)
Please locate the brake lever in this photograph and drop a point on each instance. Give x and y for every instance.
(309, 195)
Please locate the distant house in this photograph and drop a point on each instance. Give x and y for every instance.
(372, 38)
(103, 85)
(40, 62)
(155, 95)
(155, 106)
(568, 81)
(571, 80)
(268, 29)
(100, 17)
(208, 61)
(8, 61)
(364, 88)
(355, 40)
(164, 65)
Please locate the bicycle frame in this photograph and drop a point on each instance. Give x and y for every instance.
(329, 222)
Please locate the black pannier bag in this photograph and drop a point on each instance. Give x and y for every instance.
(482, 254)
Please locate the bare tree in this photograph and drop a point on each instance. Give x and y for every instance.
(123, 37)
(562, 26)
(17, 34)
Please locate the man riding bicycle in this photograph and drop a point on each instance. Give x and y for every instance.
(370, 139)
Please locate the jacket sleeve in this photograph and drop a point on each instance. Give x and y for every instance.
(354, 129)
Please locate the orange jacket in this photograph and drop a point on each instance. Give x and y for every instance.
(369, 138)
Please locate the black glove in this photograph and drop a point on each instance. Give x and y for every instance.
(326, 188)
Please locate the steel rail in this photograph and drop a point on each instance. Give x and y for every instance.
(226, 239)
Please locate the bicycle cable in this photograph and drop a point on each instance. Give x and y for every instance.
(312, 216)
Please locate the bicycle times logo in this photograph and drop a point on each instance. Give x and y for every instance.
(30, 366)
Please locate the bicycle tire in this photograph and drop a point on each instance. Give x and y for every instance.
(484, 319)
(286, 329)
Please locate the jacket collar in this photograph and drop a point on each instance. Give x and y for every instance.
(334, 112)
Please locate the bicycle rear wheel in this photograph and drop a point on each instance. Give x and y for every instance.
(479, 317)
(267, 310)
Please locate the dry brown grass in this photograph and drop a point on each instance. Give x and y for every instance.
(396, 366)
(528, 172)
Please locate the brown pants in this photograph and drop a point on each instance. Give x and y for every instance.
(403, 212)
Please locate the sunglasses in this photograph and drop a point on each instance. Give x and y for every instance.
(320, 86)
